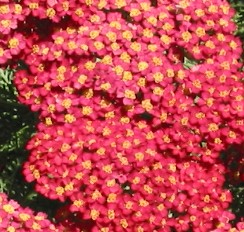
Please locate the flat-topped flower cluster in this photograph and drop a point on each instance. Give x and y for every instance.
(13, 218)
(136, 99)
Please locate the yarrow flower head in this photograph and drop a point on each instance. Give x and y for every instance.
(136, 99)
(13, 217)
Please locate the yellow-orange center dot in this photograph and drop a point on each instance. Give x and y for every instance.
(186, 36)
(142, 65)
(134, 12)
(13, 43)
(78, 203)
(33, 5)
(94, 214)
(50, 13)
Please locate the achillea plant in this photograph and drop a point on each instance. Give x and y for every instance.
(136, 100)
(13, 218)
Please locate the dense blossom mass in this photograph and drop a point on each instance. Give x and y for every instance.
(15, 218)
(136, 100)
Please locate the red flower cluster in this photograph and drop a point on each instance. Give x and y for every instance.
(15, 218)
(129, 134)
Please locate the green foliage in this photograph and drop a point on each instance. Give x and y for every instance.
(188, 63)
(17, 125)
(239, 16)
